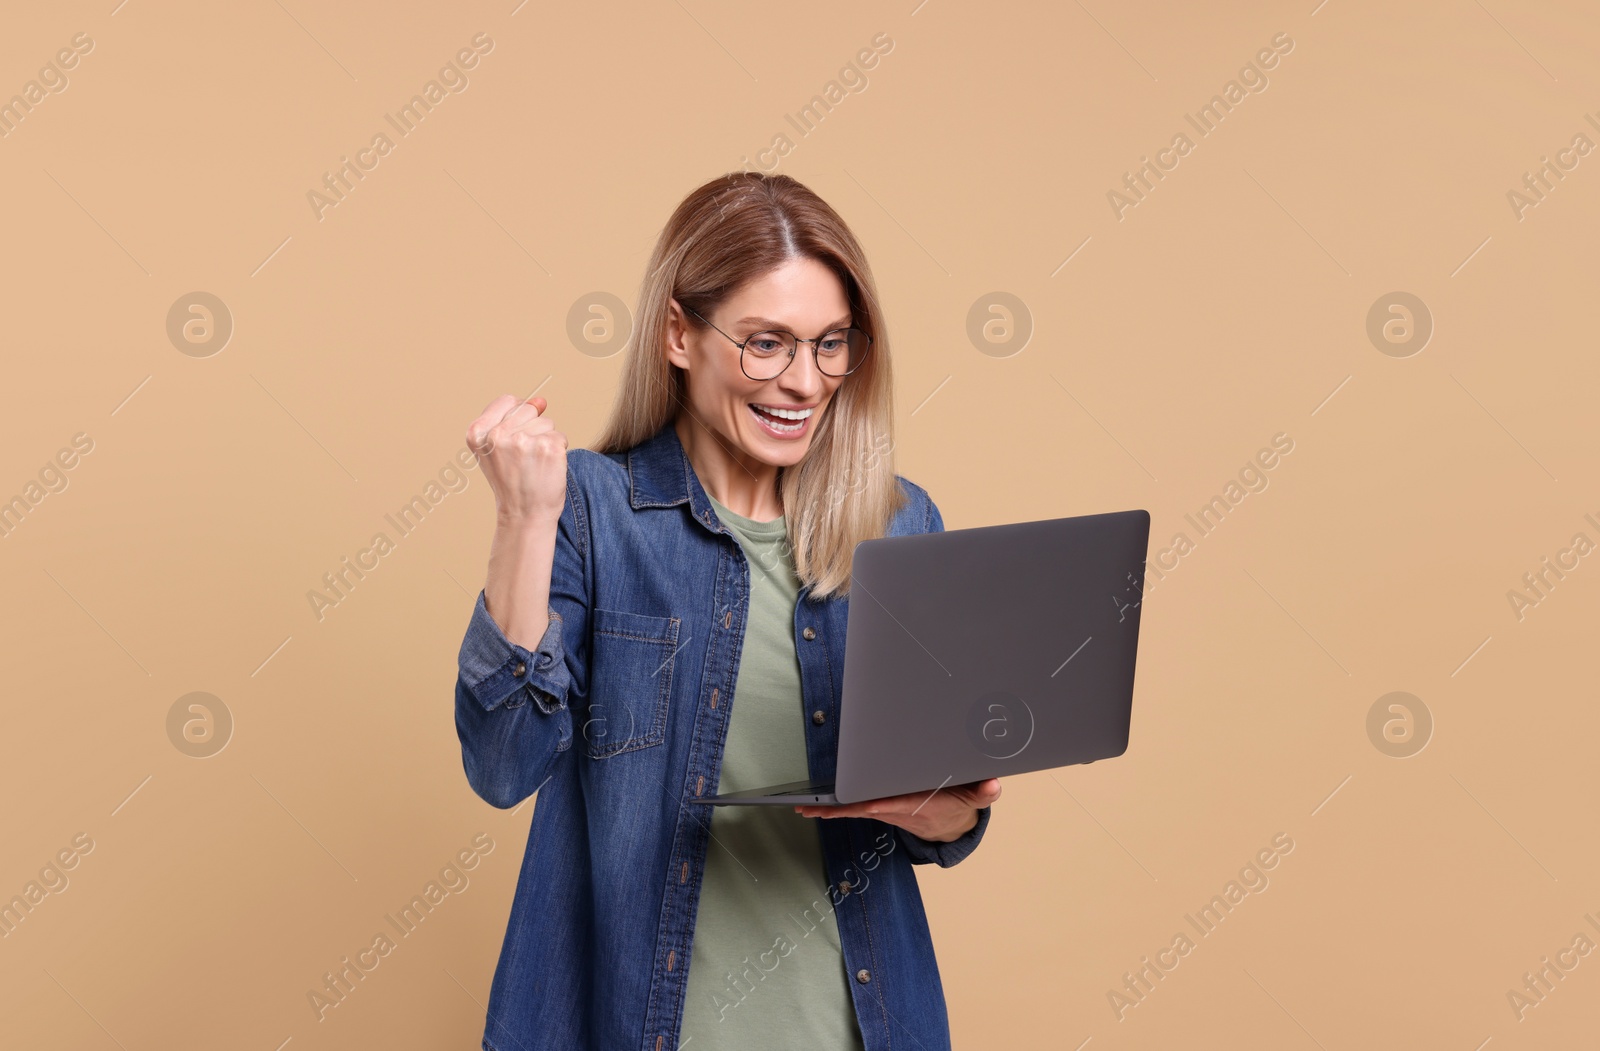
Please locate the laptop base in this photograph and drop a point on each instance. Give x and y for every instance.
(795, 793)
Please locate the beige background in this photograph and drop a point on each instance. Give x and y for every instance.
(1164, 350)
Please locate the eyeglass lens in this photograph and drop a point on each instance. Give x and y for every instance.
(838, 352)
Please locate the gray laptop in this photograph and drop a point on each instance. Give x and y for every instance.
(978, 653)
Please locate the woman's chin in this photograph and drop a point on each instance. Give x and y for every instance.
(774, 450)
(778, 454)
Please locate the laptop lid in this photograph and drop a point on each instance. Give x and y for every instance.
(985, 652)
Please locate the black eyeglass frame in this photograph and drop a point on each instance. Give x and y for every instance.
(797, 342)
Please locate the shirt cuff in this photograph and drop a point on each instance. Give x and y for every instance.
(926, 851)
(497, 671)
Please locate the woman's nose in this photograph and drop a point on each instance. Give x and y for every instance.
(802, 376)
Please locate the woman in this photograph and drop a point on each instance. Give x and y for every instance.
(664, 618)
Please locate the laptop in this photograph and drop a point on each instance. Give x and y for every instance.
(985, 652)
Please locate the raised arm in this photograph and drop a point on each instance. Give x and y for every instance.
(525, 639)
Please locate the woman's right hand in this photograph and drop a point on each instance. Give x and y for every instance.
(524, 458)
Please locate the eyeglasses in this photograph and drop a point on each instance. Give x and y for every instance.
(765, 355)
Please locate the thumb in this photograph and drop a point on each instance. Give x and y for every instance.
(539, 403)
(982, 793)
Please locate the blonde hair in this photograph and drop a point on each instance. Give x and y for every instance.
(723, 234)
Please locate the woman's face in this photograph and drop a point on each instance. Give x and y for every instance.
(803, 297)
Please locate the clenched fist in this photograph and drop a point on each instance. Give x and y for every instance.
(524, 457)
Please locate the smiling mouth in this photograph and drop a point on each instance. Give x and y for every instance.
(782, 422)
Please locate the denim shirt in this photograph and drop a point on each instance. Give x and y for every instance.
(617, 719)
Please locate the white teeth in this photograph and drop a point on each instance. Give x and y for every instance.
(787, 414)
(799, 418)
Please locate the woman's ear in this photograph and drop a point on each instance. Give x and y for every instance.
(677, 335)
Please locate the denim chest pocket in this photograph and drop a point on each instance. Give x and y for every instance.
(630, 681)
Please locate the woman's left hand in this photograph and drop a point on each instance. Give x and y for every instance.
(940, 817)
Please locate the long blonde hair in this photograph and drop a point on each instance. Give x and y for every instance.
(728, 231)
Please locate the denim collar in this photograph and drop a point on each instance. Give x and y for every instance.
(660, 475)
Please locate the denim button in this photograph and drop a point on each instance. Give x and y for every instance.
(808, 634)
(818, 717)
(520, 670)
(863, 976)
(844, 886)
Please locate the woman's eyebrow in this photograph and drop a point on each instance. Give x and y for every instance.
(767, 322)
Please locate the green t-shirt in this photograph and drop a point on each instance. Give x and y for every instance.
(765, 968)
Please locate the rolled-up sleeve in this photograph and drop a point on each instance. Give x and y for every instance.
(928, 851)
(508, 746)
(496, 671)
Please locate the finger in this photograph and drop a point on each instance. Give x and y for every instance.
(523, 416)
(982, 793)
(539, 406)
(836, 810)
(492, 414)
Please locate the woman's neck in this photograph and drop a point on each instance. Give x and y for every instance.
(744, 485)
